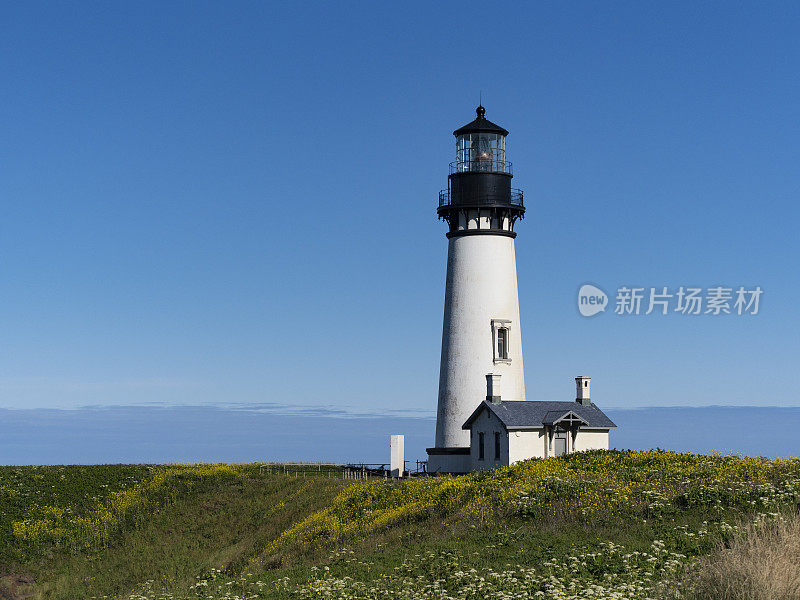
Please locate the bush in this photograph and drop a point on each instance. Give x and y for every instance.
(761, 563)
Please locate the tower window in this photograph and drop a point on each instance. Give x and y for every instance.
(496, 445)
(481, 435)
(501, 336)
(585, 384)
(502, 343)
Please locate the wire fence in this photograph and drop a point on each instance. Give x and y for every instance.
(361, 471)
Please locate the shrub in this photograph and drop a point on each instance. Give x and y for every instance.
(761, 563)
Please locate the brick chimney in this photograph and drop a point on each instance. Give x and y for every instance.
(582, 395)
(493, 388)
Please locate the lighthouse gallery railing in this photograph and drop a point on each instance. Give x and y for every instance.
(516, 199)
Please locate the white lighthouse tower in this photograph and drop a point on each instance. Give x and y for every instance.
(481, 333)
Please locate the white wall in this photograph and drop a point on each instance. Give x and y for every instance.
(481, 285)
(533, 443)
(519, 445)
(591, 440)
(489, 425)
(526, 444)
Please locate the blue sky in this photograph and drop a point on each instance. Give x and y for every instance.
(217, 203)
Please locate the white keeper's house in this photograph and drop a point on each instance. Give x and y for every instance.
(483, 419)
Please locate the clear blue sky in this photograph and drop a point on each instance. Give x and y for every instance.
(235, 202)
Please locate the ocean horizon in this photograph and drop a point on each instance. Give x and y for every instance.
(273, 433)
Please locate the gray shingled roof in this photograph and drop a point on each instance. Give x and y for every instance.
(523, 414)
(554, 416)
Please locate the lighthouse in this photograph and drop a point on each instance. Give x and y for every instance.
(481, 356)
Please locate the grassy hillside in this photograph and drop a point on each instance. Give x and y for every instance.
(119, 526)
(592, 525)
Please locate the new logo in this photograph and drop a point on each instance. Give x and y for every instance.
(591, 300)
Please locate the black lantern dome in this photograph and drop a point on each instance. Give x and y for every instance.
(479, 199)
(480, 125)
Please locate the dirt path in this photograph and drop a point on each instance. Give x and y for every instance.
(15, 587)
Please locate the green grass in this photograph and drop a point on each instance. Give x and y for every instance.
(243, 531)
(205, 523)
(25, 491)
(219, 525)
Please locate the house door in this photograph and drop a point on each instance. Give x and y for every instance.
(560, 443)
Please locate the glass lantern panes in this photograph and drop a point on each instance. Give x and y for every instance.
(482, 152)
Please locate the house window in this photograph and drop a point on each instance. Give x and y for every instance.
(480, 445)
(496, 445)
(501, 334)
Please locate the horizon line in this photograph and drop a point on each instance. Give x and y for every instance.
(344, 411)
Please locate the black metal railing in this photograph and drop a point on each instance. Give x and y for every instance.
(516, 199)
(483, 165)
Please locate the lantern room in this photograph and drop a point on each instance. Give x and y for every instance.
(481, 147)
(479, 198)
